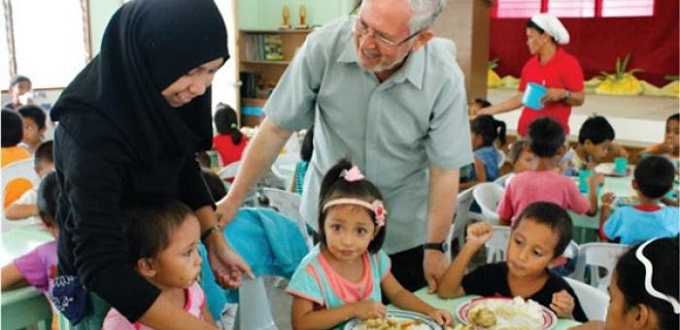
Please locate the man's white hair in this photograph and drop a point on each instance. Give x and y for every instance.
(425, 13)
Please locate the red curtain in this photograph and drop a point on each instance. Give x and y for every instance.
(597, 42)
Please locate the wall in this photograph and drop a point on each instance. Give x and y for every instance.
(651, 41)
(266, 14)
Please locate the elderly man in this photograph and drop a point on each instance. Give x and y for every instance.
(379, 91)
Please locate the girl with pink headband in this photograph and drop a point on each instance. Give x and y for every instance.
(346, 274)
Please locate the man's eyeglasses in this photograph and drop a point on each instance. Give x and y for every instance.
(361, 29)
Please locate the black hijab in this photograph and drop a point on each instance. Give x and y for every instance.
(147, 46)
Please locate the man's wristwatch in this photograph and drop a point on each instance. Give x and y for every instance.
(443, 246)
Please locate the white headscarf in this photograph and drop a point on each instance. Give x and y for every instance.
(552, 26)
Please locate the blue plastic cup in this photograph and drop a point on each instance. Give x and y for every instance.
(620, 165)
(583, 176)
(532, 96)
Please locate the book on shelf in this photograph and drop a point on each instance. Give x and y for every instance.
(273, 50)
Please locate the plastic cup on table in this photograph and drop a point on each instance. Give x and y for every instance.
(532, 96)
(583, 176)
(620, 165)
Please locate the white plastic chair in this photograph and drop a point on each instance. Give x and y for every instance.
(501, 158)
(497, 246)
(593, 301)
(288, 204)
(594, 255)
(22, 169)
(488, 195)
(463, 216)
(229, 171)
(254, 310)
(503, 179)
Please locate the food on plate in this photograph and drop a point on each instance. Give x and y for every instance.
(482, 316)
(390, 323)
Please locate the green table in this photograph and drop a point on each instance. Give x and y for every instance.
(24, 306)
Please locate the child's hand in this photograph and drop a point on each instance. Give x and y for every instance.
(479, 233)
(607, 198)
(442, 317)
(563, 304)
(596, 179)
(367, 309)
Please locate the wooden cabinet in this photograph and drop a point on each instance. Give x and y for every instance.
(263, 57)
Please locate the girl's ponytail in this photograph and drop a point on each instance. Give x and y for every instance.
(499, 127)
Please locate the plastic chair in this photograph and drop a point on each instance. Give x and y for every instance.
(288, 204)
(497, 246)
(463, 216)
(488, 195)
(254, 310)
(501, 157)
(229, 171)
(594, 255)
(503, 179)
(593, 301)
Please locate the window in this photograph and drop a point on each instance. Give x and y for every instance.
(573, 8)
(627, 8)
(49, 41)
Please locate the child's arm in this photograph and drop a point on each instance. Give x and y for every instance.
(12, 277)
(303, 315)
(206, 315)
(20, 211)
(593, 182)
(477, 234)
(605, 212)
(481, 175)
(563, 304)
(406, 300)
(592, 325)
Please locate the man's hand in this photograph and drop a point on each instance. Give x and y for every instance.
(434, 266)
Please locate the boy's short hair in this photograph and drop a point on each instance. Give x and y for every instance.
(48, 193)
(596, 129)
(214, 183)
(34, 112)
(675, 116)
(654, 176)
(18, 79)
(545, 137)
(553, 216)
(12, 128)
(44, 152)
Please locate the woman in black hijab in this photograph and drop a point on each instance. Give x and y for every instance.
(129, 126)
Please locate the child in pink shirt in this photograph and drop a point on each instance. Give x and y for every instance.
(546, 141)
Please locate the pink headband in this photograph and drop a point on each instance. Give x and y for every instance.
(377, 207)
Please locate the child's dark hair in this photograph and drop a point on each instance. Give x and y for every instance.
(489, 129)
(214, 183)
(675, 117)
(34, 112)
(654, 176)
(596, 129)
(307, 147)
(48, 194)
(18, 79)
(481, 102)
(516, 150)
(226, 122)
(335, 186)
(631, 273)
(545, 137)
(44, 152)
(12, 128)
(149, 229)
(553, 216)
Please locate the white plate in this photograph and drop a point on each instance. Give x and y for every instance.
(547, 321)
(426, 323)
(608, 169)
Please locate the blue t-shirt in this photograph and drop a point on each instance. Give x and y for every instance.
(489, 157)
(630, 225)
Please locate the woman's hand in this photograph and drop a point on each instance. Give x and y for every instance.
(227, 266)
(226, 210)
(563, 304)
(554, 95)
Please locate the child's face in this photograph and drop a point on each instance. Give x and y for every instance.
(672, 133)
(476, 140)
(531, 248)
(598, 151)
(20, 88)
(349, 230)
(192, 84)
(526, 161)
(179, 264)
(32, 134)
(619, 316)
(43, 167)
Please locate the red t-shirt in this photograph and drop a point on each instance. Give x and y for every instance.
(228, 151)
(562, 71)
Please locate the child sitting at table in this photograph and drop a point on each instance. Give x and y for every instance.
(594, 144)
(644, 289)
(38, 267)
(346, 275)
(12, 133)
(631, 224)
(33, 118)
(546, 140)
(164, 250)
(670, 148)
(538, 239)
(484, 130)
(521, 158)
(229, 142)
(26, 208)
